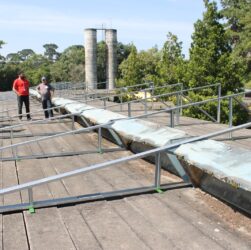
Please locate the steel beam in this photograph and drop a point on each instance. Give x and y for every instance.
(60, 154)
(92, 197)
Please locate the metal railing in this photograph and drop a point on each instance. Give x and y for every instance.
(171, 110)
(178, 94)
(130, 93)
(95, 94)
(30, 185)
(108, 124)
(156, 186)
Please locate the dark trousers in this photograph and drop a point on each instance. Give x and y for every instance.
(46, 105)
(20, 100)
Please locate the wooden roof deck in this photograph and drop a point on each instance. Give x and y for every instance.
(177, 219)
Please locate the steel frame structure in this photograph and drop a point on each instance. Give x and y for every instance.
(157, 186)
(108, 125)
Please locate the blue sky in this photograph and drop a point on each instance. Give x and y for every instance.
(29, 24)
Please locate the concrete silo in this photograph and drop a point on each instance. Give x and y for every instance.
(111, 63)
(91, 58)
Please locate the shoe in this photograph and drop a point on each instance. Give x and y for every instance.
(29, 119)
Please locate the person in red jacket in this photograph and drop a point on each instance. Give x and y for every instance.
(21, 88)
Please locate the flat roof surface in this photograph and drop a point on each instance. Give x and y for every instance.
(176, 219)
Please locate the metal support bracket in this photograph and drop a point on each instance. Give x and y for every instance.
(116, 138)
(176, 164)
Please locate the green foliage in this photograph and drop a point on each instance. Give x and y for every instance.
(240, 115)
(210, 54)
(25, 54)
(50, 51)
(171, 66)
(138, 67)
(1, 44)
(35, 67)
(13, 57)
(70, 66)
(211, 62)
(123, 51)
(8, 73)
(101, 62)
(238, 15)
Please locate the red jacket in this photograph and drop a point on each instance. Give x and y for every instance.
(21, 86)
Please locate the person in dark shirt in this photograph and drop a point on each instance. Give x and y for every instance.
(21, 88)
(46, 91)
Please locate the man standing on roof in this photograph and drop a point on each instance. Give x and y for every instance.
(21, 88)
(46, 91)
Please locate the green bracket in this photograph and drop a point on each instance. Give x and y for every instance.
(158, 190)
(18, 159)
(101, 151)
(31, 210)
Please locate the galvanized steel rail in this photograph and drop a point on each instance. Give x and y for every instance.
(157, 185)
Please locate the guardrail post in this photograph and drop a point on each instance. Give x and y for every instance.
(129, 109)
(172, 118)
(157, 172)
(104, 103)
(181, 98)
(30, 195)
(120, 100)
(152, 92)
(14, 150)
(145, 101)
(219, 104)
(100, 140)
(178, 110)
(230, 115)
(72, 122)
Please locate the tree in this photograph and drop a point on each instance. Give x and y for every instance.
(50, 51)
(35, 67)
(130, 70)
(237, 13)
(8, 72)
(210, 54)
(101, 62)
(1, 44)
(123, 51)
(13, 57)
(70, 65)
(170, 67)
(25, 54)
(211, 62)
(138, 67)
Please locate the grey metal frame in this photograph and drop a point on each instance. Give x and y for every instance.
(170, 93)
(108, 125)
(95, 92)
(124, 91)
(156, 186)
(157, 180)
(30, 113)
(100, 149)
(173, 109)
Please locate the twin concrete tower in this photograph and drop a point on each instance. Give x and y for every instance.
(91, 57)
